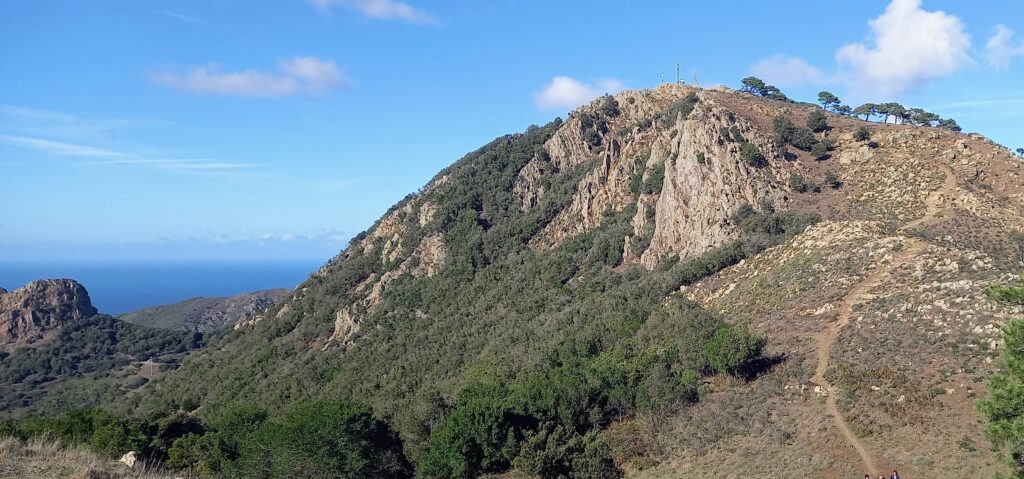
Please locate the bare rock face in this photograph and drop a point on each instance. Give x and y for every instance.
(28, 313)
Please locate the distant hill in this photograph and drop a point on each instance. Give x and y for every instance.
(58, 352)
(206, 314)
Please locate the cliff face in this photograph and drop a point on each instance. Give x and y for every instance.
(30, 312)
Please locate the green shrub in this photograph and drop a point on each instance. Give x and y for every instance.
(817, 121)
(655, 180)
(862, 134)
(733, 348)
(752, 156)
(832, 180)
(701, 159)
(798, 183)
(736, 135)
(1007, 293)
(820, 150)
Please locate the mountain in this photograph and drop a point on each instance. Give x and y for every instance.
(28, 313)
(60, 353)
(206, 314)
(676, 282)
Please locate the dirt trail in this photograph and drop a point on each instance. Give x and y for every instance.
(827, 339)
(935, 203)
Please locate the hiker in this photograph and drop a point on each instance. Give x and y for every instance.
(895, 475)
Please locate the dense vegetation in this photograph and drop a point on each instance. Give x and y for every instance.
(92, 347)
(322, 439)
(509, 355)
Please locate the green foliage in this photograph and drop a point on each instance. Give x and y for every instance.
(949, 124)
(828, 100)
(1007, 293)
(820, 150)
(679, 109)
(867, 109)
(752, 156)
(701, 159)
(753, 85)
(862, 134)
(798, 183)
(1004, 407)
(832, 180)
(654, 181)
(99, 430)
(788, 133)
(82, 365)
(817, 121)
(736, 135)
(733, 348)
(1020, 151)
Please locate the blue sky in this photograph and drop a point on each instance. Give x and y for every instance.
(220, 129)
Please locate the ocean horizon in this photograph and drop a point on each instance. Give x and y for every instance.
(118, 288)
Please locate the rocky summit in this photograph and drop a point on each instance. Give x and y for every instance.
(28, 313)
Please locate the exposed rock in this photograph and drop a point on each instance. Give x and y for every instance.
(30, 312)
(129, 459)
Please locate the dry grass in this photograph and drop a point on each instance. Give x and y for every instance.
(43, 458)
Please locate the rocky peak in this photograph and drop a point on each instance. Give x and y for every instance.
(30, 312)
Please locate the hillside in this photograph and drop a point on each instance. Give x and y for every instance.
(206, 314)
(570, 300)
(62, 354)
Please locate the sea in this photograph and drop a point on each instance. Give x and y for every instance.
(123, 287)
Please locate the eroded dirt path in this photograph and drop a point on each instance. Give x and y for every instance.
(827, 339)
(935, 204)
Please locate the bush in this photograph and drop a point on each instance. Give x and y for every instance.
(1007, 293)
(655, 180)
(736, 135)
(820, 150)
(798, 183)
(701, 159)
(803, 139)
(752, 156)
(817, 121)
(732, 349)
(832, 181)
(862, 134)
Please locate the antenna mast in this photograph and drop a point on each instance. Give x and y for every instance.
(678, 80)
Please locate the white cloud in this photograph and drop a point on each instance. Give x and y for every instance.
(382, 10)
(59, 148)
(1000, 49)
(566, 92)
(296, 75)
(781, 70)
(910, 47)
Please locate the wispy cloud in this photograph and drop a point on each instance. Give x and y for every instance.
(181, 17)
(1000, 48)
(174, 164)
(564, 92)
(296, 75)
(59, 148)
(381, 10)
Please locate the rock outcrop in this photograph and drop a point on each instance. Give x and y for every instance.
(29, 313)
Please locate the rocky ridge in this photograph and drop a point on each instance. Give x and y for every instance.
(29, 313)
